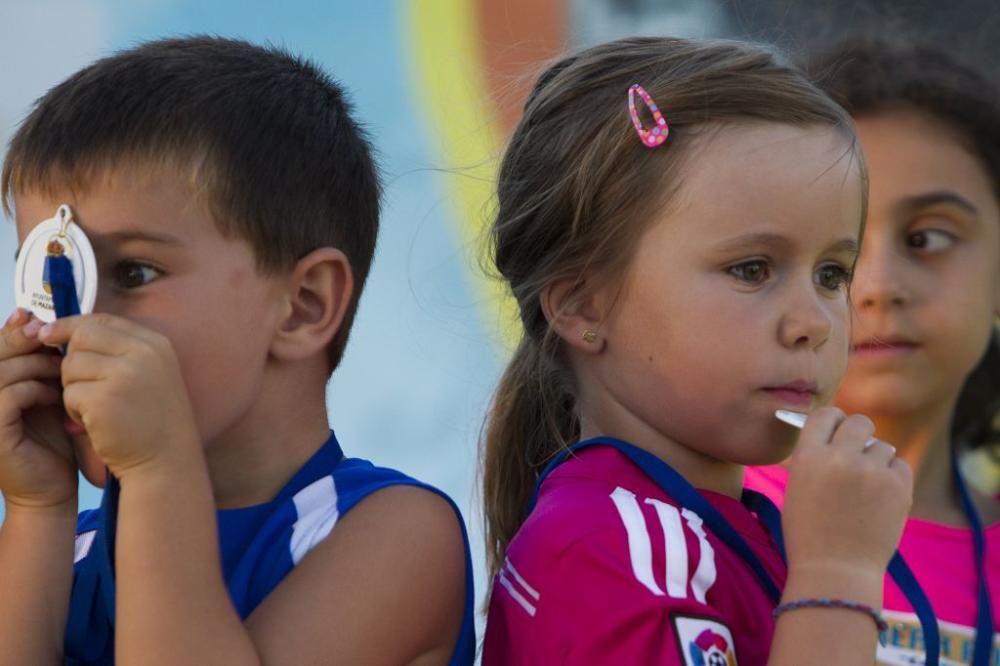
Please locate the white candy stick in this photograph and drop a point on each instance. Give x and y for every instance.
(798, 420)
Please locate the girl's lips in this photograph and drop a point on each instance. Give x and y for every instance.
(791, 396)
(883, 349)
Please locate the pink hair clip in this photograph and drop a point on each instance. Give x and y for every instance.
(656, 136)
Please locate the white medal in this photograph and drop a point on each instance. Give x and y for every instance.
(58, 235)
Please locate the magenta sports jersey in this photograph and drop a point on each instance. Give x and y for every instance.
(609, 569)
(941, 558)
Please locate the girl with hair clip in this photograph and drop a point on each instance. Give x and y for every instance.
(925, 360)
(678, 221)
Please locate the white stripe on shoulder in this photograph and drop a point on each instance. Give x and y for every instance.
(514, 587)
(520, 579)
(705, 574)
(675, 547)
(640, 548)
(82, 545)
(316, 506)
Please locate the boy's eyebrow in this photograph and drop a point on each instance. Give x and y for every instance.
(126, 236)
(915, 202)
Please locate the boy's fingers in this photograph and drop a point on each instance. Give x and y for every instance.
(18, 336)
(83, 366)
(100, 333)
(22, 396)
(29, 366)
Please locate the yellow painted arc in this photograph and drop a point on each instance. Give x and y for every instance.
(451, 87)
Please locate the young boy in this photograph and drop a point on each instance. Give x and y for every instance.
(233, 205)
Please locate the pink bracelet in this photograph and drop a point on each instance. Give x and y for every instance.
(824, 602)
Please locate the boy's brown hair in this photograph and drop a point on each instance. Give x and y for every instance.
(264, 138)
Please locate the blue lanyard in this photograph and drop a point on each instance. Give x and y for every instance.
(983, 645)
(908, 584)
(677, 487)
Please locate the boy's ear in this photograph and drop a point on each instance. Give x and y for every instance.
(319, 289)
(575, 313)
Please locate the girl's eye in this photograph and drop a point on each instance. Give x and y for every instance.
(929, 241)
(832, 276)
(132, 274)
(751, 272)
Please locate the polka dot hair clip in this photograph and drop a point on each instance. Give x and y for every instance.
(651, 138)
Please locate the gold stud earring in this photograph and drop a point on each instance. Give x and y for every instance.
(589, 336)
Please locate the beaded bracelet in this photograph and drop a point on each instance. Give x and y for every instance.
(825, 602)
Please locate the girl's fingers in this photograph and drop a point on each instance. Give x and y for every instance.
(820, 427)
(880, 452)
(853, 433)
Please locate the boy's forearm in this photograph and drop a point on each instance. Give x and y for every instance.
(36, 578)
(172, 603)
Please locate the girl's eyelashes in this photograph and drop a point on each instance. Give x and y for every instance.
(130, 274)
(833, 276)
(755, 272)
(752, 272)
(930, 241)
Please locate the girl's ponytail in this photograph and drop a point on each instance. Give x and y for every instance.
(532, 417)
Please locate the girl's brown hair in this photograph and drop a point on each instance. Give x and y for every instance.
(576, 191)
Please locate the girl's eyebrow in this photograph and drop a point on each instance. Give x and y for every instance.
(779, 242)
(754, 240)
(916, 202)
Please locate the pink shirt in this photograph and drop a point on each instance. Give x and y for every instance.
(942, 559)
(608, 569)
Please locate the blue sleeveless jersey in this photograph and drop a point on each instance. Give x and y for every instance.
(260, 545)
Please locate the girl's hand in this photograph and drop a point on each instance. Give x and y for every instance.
(846, 504)
(37, 466)
(123, 383)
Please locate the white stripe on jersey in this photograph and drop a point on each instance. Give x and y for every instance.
(523, 583)
(81, 547)
(676, 547)
(704, 576)
(640, 548)
(512, 588)
(316, 506)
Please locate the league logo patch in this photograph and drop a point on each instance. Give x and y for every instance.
(704, 642)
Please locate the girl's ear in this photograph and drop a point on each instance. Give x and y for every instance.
(318, 292)
(576, 313)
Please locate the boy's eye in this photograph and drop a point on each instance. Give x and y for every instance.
(131, 274)
(832, 276)
(751, 272)
(929, 240)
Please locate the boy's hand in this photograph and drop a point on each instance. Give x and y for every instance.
(123, 383)
(37, 466)
(846, 503)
